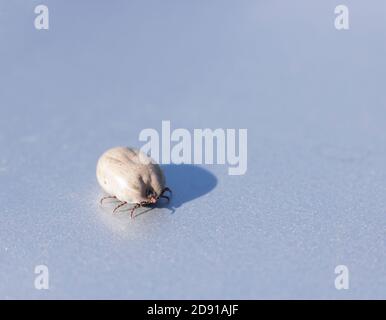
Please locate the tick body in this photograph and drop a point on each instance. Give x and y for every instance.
(130, 176)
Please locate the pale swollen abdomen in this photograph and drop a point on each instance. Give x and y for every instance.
(129, 175)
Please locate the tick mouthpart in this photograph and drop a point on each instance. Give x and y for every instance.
(153, 200)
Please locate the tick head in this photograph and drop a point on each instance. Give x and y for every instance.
(151, 195)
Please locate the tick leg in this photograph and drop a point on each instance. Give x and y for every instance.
(166, 189)
(108, 197)
(165, 197)
(120, 205)
(137, 205)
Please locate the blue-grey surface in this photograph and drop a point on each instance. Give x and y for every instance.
(313, 101)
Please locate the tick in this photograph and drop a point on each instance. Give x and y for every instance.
(131, 177)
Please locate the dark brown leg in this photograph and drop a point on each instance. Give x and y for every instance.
(137, 205)
(166, 189)
(120, 205)
(165, 197)
(108, 197)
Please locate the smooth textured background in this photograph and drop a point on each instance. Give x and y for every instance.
(313, 101)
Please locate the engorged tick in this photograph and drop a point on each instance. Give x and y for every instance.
(130, 176)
